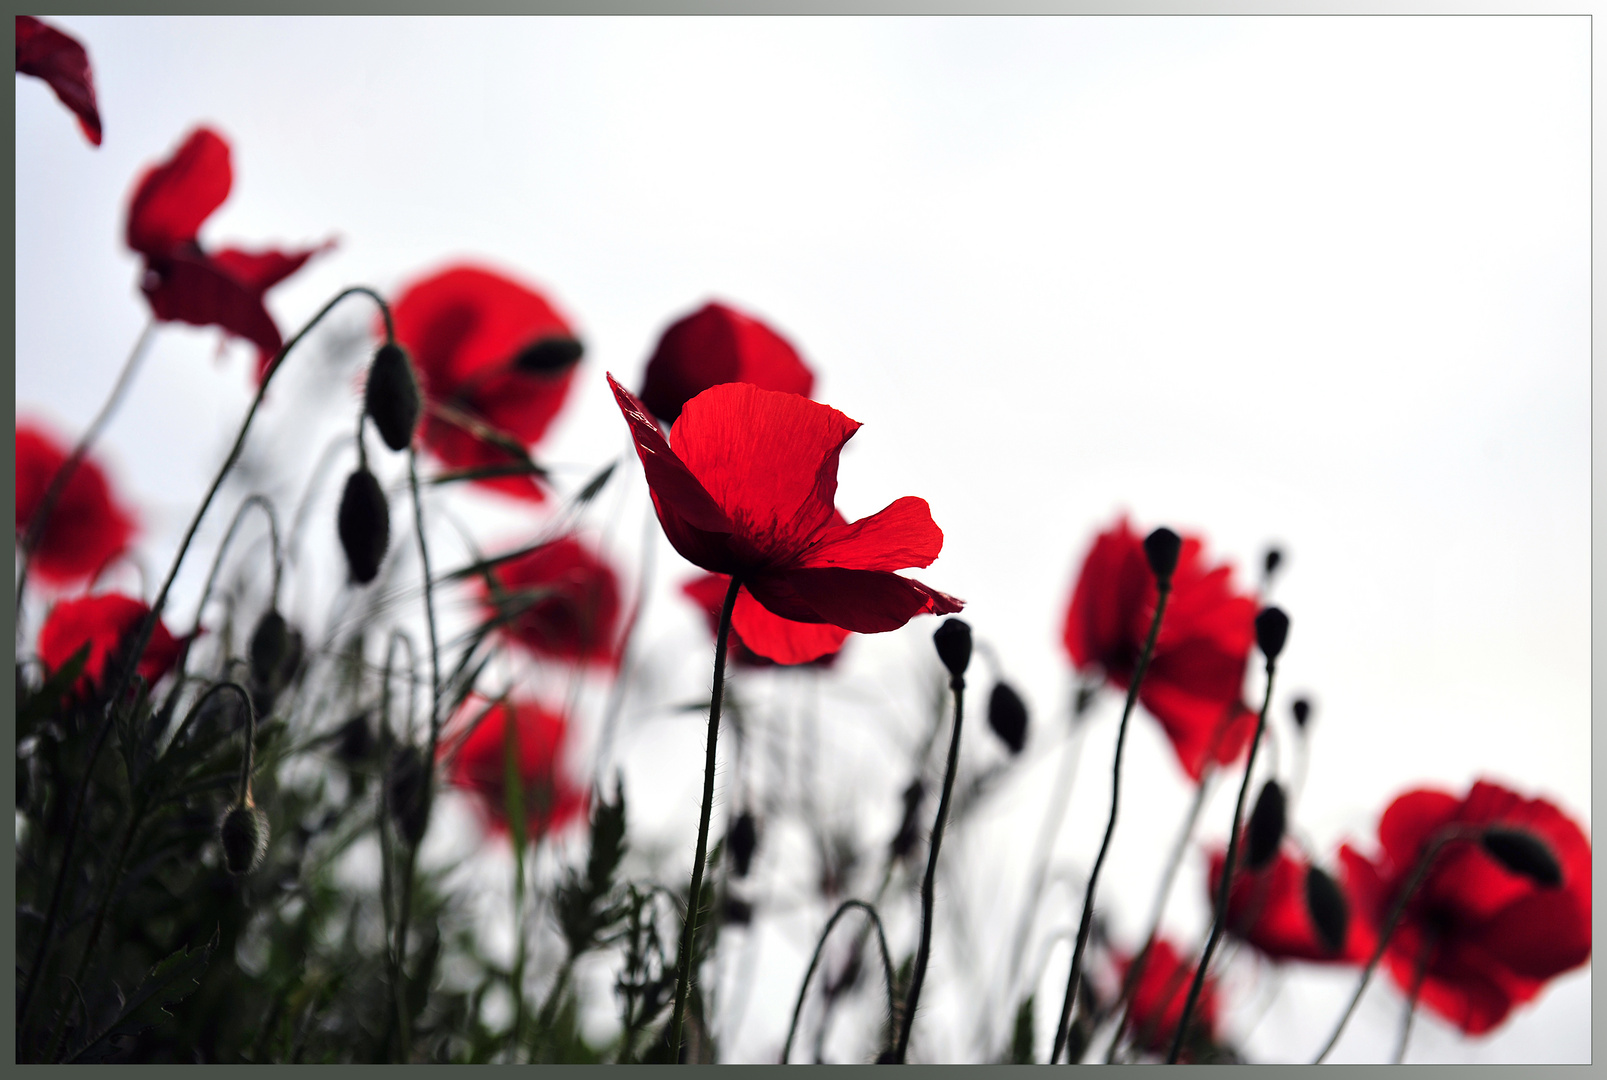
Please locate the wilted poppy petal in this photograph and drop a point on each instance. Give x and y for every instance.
(87, 528)
(717, 344)
(865, 601)
(174, 198)
(782, 640)
(191, 288)
(46, 53)
(261, 270)
(898, 537)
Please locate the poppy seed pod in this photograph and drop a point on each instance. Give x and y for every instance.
(365, 525)
(1523, 853)
(953, 641)
(1330, 911)
(243, 833)
(549, 356)
(1271, 631)
(407, 790)
(1162, 548)
(391, 397)
(270, 647)
(1302, 711)
(1266, 826)
(1007, 716)
(743, 840)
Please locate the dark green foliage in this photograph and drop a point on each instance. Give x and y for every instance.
(586, 907)
(1022, 1038)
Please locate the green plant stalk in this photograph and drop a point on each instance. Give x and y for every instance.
(1163, 589)
(683, 973)
(1411, 998)
(814, 962)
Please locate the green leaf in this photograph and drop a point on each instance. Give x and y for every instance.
(169, 982)
(51, 698)
(1021, 1041)
(596, 484)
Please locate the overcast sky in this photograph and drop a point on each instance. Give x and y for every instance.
(1323, 282)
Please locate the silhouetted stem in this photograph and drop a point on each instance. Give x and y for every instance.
(683, 975)
(814, 962)
(929, 884)
(1163, 589)
(1411, 998)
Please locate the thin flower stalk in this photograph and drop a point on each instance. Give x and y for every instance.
(814, 962)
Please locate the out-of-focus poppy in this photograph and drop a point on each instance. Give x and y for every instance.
(559, 600)
(104, 622)
(1271, 909)
(490, 351)
(1482, 937)
(775, 640)
(1158, 999)
(86, 527)
(1195, 681)
(717, 344)
(475, 758)
(749, 491)
(184, 282)
(46, 53)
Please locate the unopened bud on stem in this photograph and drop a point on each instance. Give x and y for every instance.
(953, 641)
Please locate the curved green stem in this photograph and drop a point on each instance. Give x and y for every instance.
(814, 962)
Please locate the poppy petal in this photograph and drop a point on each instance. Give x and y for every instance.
(864, 601)
(718, 344)
(783, 640)
(87, 526)
(191, 288)
(46, 53)
(676, 490)
(900, 536)
(262, 270)
(173, 199)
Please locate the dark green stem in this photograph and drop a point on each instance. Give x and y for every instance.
(814, 962)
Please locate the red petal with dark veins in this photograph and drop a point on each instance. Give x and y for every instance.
(174, 198)
(46, 53)
(864, 601)
(901, 536)
(717, 344)
(676, 492)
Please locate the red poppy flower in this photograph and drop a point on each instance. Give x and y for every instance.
(561, 601)
(490, 349)
(103, 622)
(183, 282)
(749, 491)
(1268, 909)
(1196, 676)
(1159, 997)
(46, 53)
(476, 761)
(1486, 938)
(713, 345)
(86, 528)
(759, 638)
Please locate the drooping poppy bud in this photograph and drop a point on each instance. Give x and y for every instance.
(1007, 716)
(953, 641)
(1271, 631)
(742, 842)
(407, 790)
(904, 839)
(549, 355)
(270, 647)
(365, 525)
(243, 834)
(1523, 853)
(391, 397)
(1271, 561)
(1162, 548)
(738, 912)
(1330, 911)
(1266, 826)
(355, 740)
(1302, 711)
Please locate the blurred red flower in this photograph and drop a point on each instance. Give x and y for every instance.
(185, 283)
(1195, 680)
(759, 638)
(494, 351)
(103, 622)
(717, 344)
(1486, 938)
(475, 759)
(561, 600)
(1158, 999)
(1268, 909)
(749, 491)
(46, 53)
(86, 528)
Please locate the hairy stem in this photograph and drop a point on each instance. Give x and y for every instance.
(814, 962)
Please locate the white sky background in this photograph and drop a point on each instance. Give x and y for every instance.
(1317, 281)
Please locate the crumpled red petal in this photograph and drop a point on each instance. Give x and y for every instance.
(103, 622)
(191, 288)
(897, 537)
(782, 640)
(87, 527)
(46, 53)
(864, 601)
(173, 199)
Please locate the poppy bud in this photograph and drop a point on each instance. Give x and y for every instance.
(243, 832)
(549, 356)
(1271, 631)
(904, 840)
(1330, 911)
(407, 790)
(1266, 826)
(744, 838)
(270, 647)
(355, 741)
(365, 525)
(953, 641)
(1085, 698)
(391, 398)
(1271, 561)
(1524, 854)
(1302, 711)
(1007, 716)
(1162, 547)
(737, 911)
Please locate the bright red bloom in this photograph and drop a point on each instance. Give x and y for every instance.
(1195, 679)
(475, 760)
(104, 622)
(713, 345)
(1159, 997)
(86, 528)
(1487, 938)
(759, 638)
(562, 601)
(1268, 909)
(46, 53)
(494, 350)
(187, 284)
(749, 491)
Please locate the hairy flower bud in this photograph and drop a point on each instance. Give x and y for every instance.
(1271, 631)
(243, 833)
(1007, 716)
(355, 740)
(953, 641)
(549, 356)
(1523, 853)
(270, 647)
(365, 525)
(1265, 832)
(407, 791)
(391, 397)
(1162, 548)
(743, 840)
(1330, 911)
